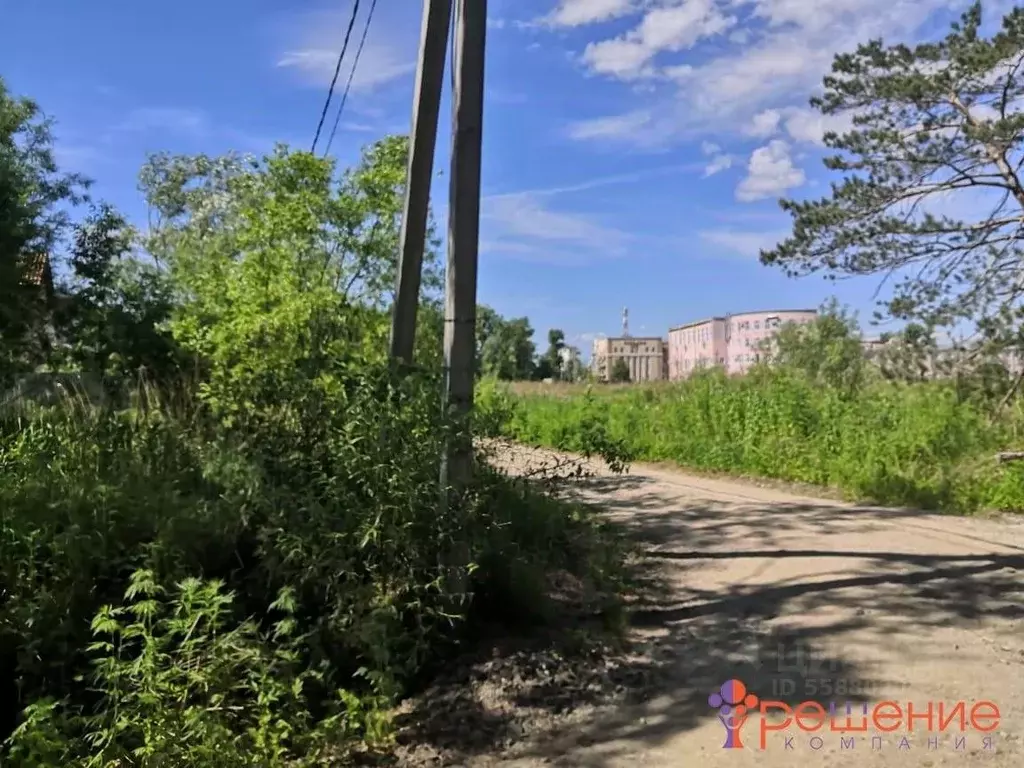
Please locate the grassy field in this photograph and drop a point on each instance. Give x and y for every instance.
(568, 389)
(578, 389)
(923, 445)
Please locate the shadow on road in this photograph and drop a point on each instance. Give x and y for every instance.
(688, 639)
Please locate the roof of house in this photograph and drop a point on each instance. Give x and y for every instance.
(37, 270)
(723, 318)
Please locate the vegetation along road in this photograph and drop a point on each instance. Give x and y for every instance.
(234, 534)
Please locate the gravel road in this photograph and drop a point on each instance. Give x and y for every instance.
(801, 599)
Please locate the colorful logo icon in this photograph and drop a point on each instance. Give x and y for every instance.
(733, 703)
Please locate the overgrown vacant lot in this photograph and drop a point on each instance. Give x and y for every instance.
(233, 551)
(209, 596)
(927, 444)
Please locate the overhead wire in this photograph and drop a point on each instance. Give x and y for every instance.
(351, 76)
(337, 71)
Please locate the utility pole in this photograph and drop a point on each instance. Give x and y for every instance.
(426, 106)
(463, 234)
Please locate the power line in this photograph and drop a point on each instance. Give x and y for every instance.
(351, 76)
(337, 71)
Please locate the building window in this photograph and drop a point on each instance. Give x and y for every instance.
(771, 322)
(757, 325)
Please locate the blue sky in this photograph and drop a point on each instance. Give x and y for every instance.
(634, 149)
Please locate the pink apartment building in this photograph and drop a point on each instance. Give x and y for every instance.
(732, 342)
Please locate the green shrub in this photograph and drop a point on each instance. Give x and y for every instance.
(916, 444)
(179, 683)
(334, 502)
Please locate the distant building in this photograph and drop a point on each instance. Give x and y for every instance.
(872, 347)
(570, 363)
(732, 342)
(644, 356)
(37, 301)
(942, 360)
(37, 271)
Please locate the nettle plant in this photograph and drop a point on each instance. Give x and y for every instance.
(180, 682)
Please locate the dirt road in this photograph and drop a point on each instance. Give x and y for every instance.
(801, 599)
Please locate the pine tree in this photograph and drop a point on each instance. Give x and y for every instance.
(931, 196)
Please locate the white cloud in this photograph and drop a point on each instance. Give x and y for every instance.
(770, 172)
(746, 243)
(664, 28)
(764, 124)
(524, 215)
(803, 124)
(609, 127)
(357, 127)
(988, 113)
(521, 224)
(720, 161)
(810, 126)
(316, 38)
(575, 13)
(769, 58)
(377, 65)
(717, 165)
(606, 181)
(739, 36)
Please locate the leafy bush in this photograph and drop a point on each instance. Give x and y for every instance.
(920, 444)
(338, 510)
(179, 683)
(265, 510)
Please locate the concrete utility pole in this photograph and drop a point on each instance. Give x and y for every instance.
(426, 106)
(463, 232)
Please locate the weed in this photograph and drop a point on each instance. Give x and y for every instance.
(915, 444)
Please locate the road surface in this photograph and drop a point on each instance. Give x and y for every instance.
(801, 599)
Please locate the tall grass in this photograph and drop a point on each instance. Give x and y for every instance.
(176, 589)
(921, 445)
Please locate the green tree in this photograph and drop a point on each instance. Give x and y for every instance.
(827, 351)
(549, 365)
(572, 370)
(620, 371)
(196, 202)
(911, 355)
(932, 191)
(268, 297)
(487, 322)
(34, 201)
(508, 350)
(115, 309)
